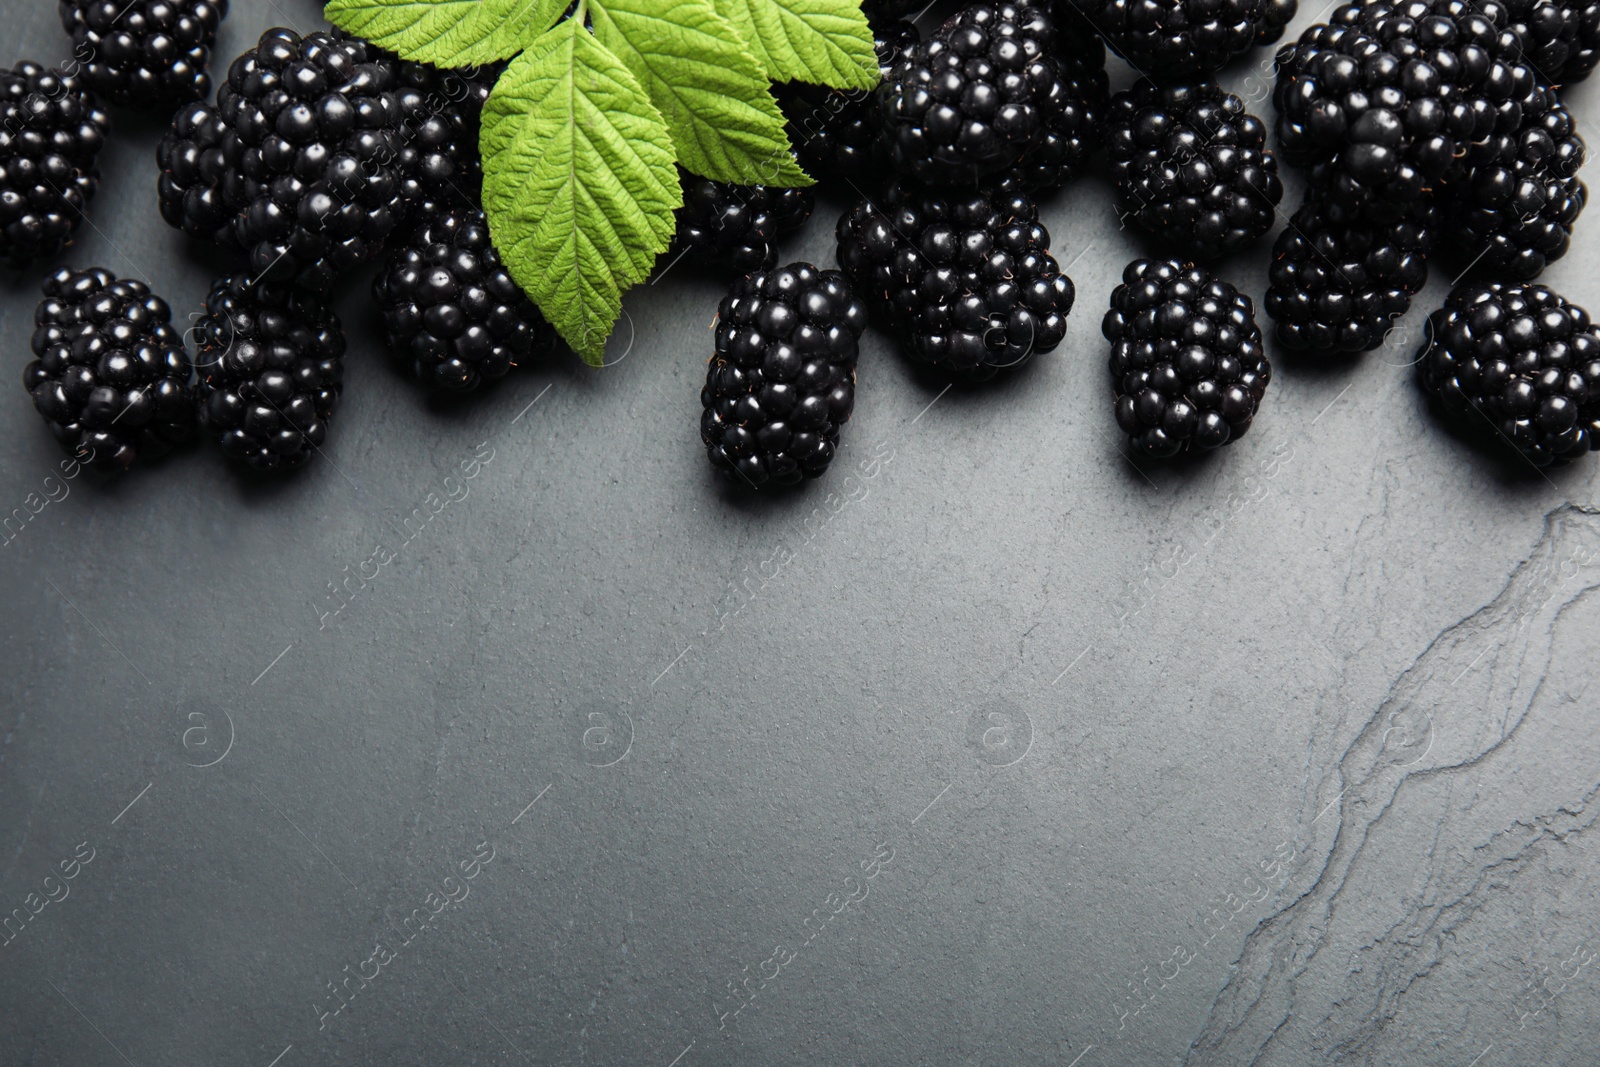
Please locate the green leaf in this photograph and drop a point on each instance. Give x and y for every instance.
(824, 42)
(578, 181)
(447, 33)
(710, 90)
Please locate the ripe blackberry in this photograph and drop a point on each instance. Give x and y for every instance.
(440, 111)
(147, 53)
(450, 309)
(1074, 111)
(1511, 216)
(1389, 95)
(783, 378)
(112, 377)
(1560, 38)
(302, 163)
(965, 281)
(1338, 280)
(270, 359)
(834, 132)
(736, 226)
(1520, 361)
(1188, 368)
(51, 131)
(1192, 166)
(977, 97)
(1163, 37)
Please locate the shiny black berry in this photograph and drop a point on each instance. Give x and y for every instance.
(112, 377)
(1560, 38)
(440, 112)
(965, 281)
(736, 227)
(302, 162)
(1338, 281)
(51, 131)
(1188, 368)
(783, 378)
(1520, 363)
(834, 131)
(1192, 166)
(144, 53)
(271, 360)
(451, 312)
(1160, 38)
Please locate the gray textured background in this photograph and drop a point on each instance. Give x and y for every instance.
(1282, 756)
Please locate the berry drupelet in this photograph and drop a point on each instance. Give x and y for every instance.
(964, 280)
(301, 164)
(112, 377)
(148, 53)
(833, 131)
(736, 226)
(782, 381)
(1513, 214)
(1162, 37)
(1188, 368)
(51, 132)
(1338, 281)
(980, 95)
(1192, 166)
(1519, 362)
(451, 311)
(270, 359)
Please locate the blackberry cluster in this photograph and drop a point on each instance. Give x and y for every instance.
(51, 133)
(440, 115)
(783, 378)
(986, 94)
(1512, 214)
(1188, 368)
(1560, 39)
(833, 132)
(112, 377)
(270, 360)
(1338, 281)
(145, 53)
(301, 164)
(1521, 362)
(1192, 166)
(1158, 37)
(450, 309)
(736, 226)
(1389, 95)
(965, 281)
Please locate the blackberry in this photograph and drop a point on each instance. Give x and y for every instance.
(1512, 216)
(112, 377)
(736, 226)
(440, 112)
(1074, 111)
(975, 98)
(833, 132)
(1192, 166)
(301, 165)
(147, 53)
(1338, 280)
(51, 132)
(783, 378)
(451, 311)
(1163, 37)
(270, 359)
(965, 281)
(1188, 368)
(1560, 39)
(1388, 96)
(1518, 360)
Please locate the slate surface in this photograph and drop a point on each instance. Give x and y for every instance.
(1281, 757)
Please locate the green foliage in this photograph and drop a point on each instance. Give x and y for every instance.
(582, 131)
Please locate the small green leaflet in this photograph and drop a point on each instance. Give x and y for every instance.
(447, 33)
(578, 182)
(724, 122)
(824, 42)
